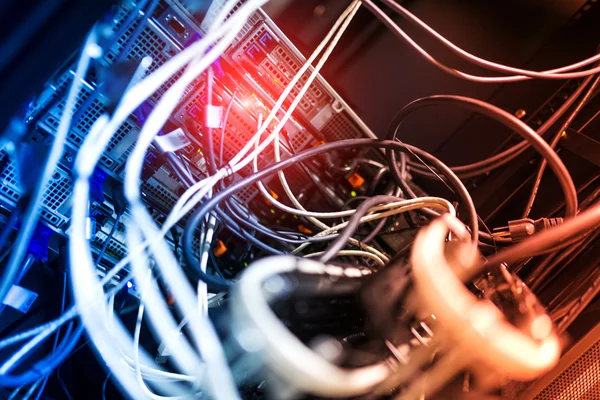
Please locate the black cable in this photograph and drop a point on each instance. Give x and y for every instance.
(504, 157)
(224, 127)
(9, 225)
(546, 270)
(210, 204)
(327, 192)
(501, 116)
(546, 265)
(176, 165)
(375, 231)
(353, 224)
(547, 240)
(376, 179)
(260, 228)
(208, 130)
(540, 171)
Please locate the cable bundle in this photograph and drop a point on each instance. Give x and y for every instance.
(205, 360)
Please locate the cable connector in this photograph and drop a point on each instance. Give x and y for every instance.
(520, 229)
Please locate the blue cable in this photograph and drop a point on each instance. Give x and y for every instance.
(62, 310)
(104, 386)
(44, 368)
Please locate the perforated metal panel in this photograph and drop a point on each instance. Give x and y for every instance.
(161, 194)
(340, 127)
(115, 249)
(575, 377)
(215, 9)
(8, 181)
(57, 192)
(247, 193)
(580, 381)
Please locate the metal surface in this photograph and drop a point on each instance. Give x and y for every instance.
(577, 375)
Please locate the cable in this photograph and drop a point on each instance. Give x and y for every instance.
(561, 131)
(288, 357)
(501, 116)
(352, 225)
(350, 253)
(558, 237)
(103, 392)
(558, 73)
(198, 215)
(41, 368)
(393, 209)
(8, 227)
(224, 127)
(208, 130)
(30, 215)
(108, 239)
(239, 162)
(495, 161)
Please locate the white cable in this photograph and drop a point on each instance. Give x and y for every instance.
(284, 95)
(87, 289)
(220, 382)
(205, 248)
(237, 162)
(350, 253)
(136, 348)
(558, 73)
(285, 355)
(32, 389)
(161, 319)
(394, 208)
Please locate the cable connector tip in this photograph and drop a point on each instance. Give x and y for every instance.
(520, 229)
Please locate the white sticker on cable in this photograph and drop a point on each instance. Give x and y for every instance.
(20, 298)
(173, 141)
(213, 115)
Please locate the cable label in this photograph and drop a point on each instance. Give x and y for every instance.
(20, 299)
(213, 116)
(173, 141)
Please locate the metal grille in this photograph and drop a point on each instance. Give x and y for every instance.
(118, 136)
(580, 381)
(8, 180)
(247, 193)
(291, 67)
(301, 140)
(58, 191)
(159, 193)
(89, 117)
(148, 43)
(115, 248)
(340, 127)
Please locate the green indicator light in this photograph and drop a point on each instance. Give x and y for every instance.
(272, 211)
(353, 193)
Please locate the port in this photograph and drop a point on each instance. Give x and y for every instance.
(177, 26)
(267, 42)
